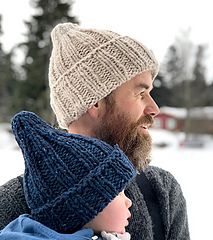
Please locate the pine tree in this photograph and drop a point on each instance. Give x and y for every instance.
(177, 69)
(209, 91)
(32, 92)
(198, 84)
(161, 93)
(7, 82)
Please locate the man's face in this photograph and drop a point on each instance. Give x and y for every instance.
(127, 117)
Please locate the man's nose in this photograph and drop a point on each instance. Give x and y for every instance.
(152, 108)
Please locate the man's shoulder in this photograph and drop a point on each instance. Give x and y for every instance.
(12, 201)
(11, 191)
(161, 178)
(157, 171)
(11, 186)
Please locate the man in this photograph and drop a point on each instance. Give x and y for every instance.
(100, 84)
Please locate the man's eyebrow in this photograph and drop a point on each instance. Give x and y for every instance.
(142, 86)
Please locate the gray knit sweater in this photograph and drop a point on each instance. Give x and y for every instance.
(172, 204)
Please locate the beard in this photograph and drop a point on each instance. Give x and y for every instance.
(116, 128)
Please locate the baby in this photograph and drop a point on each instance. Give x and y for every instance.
(73, 185)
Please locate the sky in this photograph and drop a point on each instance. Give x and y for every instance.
(156, 23)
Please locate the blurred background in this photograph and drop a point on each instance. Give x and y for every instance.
(178, 32)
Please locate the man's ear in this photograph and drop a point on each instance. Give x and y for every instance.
(96, 110)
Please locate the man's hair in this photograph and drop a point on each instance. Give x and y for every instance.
(109, 102)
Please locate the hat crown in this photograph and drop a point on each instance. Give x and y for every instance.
(72, 44)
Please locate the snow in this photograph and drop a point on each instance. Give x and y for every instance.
(191, 167)
(193, 170)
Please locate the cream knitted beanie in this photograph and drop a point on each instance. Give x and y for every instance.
(86, 65)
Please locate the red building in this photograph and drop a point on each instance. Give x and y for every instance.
(200, 120)
(171, 119)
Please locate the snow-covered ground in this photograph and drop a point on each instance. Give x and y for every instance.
(192, 168)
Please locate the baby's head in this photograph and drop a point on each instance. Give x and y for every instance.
(72, 181)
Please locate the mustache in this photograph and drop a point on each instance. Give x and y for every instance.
(130, 136)
(145, 120)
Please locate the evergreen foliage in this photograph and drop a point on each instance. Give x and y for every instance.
(161, 93)
(184, 74)
(199, 93)
(7, 82)
(32, 92)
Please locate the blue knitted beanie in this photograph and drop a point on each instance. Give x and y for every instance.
(68, 178)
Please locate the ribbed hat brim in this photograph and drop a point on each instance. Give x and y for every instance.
(85, 200)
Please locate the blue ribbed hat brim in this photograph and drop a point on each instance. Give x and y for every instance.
(85, 200)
